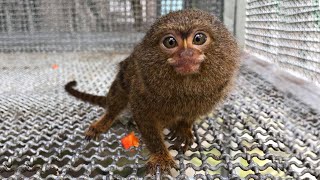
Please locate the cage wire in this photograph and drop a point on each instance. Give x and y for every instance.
(260, 132)
(286, 32)
(83, 25)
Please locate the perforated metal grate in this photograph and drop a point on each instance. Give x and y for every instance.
(286, 32)
(259, 133)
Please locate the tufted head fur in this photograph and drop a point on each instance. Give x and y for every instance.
(220, 56)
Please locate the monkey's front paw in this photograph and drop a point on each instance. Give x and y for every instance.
(92, 133)
(164, 161)
(181, 137)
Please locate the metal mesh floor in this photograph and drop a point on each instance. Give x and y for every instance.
(259, 133)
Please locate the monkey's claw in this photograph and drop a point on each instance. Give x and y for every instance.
(92, 133)
(182, 138)
(165, 162)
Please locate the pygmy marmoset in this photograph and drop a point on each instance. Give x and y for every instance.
(182, 68)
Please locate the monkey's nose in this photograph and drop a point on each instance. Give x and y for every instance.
(186, 53)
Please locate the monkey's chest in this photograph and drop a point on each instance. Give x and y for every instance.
(186, 105)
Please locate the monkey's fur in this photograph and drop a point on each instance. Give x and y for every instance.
(159, 93)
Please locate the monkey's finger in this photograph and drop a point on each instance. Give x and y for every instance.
(170, 133)
(172, 137)
(178, 145)
(185, 148)
(190, 141)
(175, 166)
(167, 171)
(87, 138)
(179, 140)
(187, 144)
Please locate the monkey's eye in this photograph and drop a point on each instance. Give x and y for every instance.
(199, 39)
(169, 42)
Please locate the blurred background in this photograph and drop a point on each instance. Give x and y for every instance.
(268, 129)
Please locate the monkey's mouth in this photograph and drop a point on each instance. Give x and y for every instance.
(187, 68)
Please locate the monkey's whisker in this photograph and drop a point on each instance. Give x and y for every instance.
(170, 60)
(201, 57)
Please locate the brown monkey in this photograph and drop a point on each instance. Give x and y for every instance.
(183, 67)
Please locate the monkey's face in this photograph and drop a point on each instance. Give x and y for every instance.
(185, 50)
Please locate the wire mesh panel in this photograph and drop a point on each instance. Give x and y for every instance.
(259, 132)
(94, 25)
(286, 32)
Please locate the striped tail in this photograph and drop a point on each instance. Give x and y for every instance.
(93, 99)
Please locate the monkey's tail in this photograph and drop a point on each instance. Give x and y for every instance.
(93, 99)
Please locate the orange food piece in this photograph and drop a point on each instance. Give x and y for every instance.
(55, 66)
(130, 140)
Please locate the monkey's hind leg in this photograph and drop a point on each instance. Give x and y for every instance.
(98, 127)
(117, 100)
